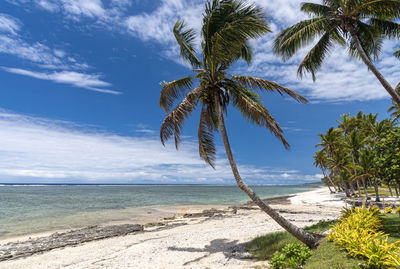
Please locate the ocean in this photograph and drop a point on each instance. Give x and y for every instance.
(30, 209)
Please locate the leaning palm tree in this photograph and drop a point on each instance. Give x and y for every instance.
(367, 169)
(361, 25)
(321, 161)
(395, 108)
(228, 25)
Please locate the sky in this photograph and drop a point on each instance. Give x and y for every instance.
(80, 82)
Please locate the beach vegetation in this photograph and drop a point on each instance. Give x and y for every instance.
(388, 210)
(361, 157)
(361, 26)
(379, 242)
(264, 247)
(228, 26)
(291, 256)
(359, 234)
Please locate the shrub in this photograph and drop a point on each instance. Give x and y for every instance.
(388, 210)
(292, 256)
(357, 232)
(397, 210)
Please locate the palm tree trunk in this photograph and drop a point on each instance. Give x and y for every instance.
(376, 192)
(355, 174)
(390, 190)
(367, 61)
(353, 192)
(325, 177)
(330, 180)
(311, 240)
(365, 189)
(345, 188)
(358, 188)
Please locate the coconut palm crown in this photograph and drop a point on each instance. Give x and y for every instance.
(228, 25)
(361, 25)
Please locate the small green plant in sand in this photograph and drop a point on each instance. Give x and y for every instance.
(291, 256)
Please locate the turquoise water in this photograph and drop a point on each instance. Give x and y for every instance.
(34, 209)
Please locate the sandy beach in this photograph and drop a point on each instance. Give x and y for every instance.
(191, 240)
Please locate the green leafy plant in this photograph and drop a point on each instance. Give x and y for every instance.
(358, 233)
(292, 256)
(388, 210)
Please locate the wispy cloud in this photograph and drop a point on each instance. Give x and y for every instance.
(86, 81)
(69, 70)
(9, 24)
(37, 149)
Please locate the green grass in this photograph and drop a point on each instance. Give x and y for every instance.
(383, 191)
(391, 226)
(327, 255)
(264, 247)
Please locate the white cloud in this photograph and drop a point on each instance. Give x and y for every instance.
(87, 81)
(9, 24)
(11, 43)
(44, 150)
(89, 8)
(37, 53)
(48, 5)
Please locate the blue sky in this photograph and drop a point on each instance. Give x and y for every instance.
(80, 86)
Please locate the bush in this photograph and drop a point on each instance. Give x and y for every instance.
(357, 232)
(397, 210)
(292, 256)
(388, 210)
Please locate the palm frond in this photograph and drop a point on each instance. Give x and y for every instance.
(228, 27)
(290, 40)
(371, 41)
(249, 105)
(389, 29)
(173, 90)
(378, 8)
(314, 58)
(185, 39)
(396, 53)
(262, 84)
(206, 131)
(173, 123)
(315, 9)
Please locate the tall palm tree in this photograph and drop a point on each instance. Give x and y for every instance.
(321, 161)
(228, 25)
(368, 169)
(355, 142)
(361, 25)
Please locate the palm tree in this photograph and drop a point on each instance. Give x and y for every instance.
(361, 25)
(395, 109)
(321, 161)
(368, 169)
(355, 143)
(228, 25)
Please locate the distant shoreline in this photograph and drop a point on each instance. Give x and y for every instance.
(316, 184)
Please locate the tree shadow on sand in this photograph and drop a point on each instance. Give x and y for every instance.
(230, 249)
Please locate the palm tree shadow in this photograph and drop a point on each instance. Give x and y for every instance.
(230, 249)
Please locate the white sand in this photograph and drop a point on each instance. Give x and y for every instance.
(202, 243)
